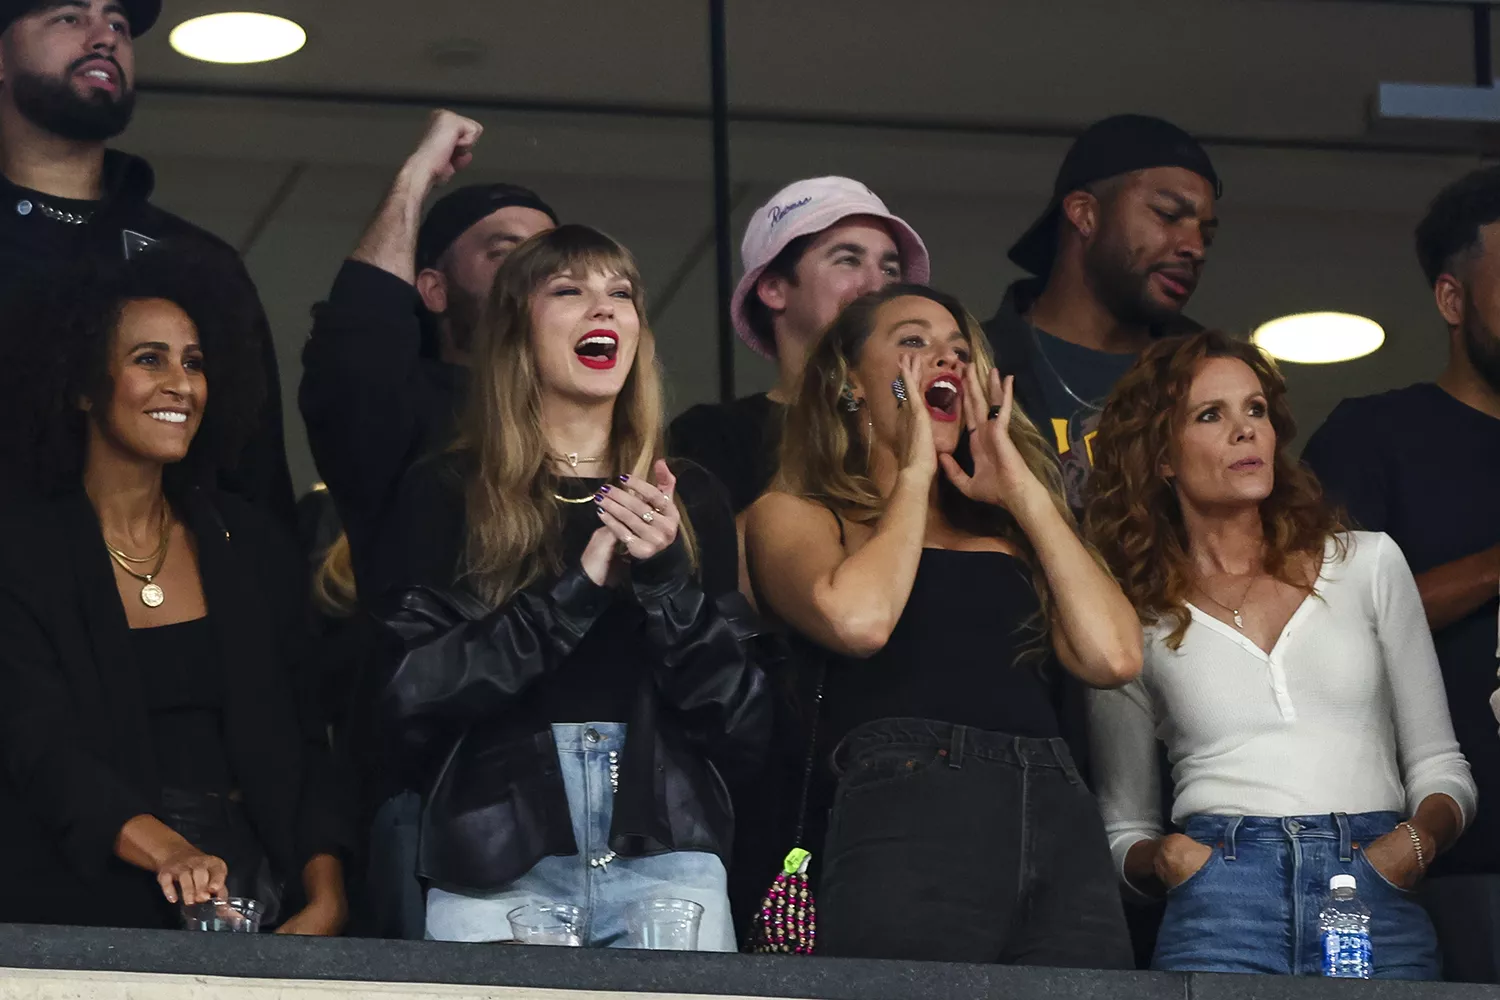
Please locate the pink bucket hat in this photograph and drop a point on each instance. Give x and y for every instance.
(811, 206)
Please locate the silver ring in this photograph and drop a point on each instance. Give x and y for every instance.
(648, 517)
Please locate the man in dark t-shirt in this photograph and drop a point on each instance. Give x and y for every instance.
(817, 245)
(1422, 464)
(1116, 256)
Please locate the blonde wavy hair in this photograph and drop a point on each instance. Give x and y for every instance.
(825, 454)
(333, 580)
(1133, 515)
(514, 527)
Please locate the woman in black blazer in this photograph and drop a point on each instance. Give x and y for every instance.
(157, 745)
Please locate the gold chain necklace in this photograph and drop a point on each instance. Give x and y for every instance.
(152, 596)
(573, 460)
(1239, 621)
(144, 560)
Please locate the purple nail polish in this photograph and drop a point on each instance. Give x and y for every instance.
(603, 490)
(598, 498)
(624, 479)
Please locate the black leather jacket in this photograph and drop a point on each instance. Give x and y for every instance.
(495, 803)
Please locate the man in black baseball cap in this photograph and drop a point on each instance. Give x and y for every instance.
(67, 87)
(1115, 258)
(377, 393)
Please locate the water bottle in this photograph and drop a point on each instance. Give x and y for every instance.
(1344, 926)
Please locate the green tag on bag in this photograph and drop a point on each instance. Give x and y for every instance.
(796, 861)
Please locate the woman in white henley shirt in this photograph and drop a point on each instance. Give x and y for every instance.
(1289, 670)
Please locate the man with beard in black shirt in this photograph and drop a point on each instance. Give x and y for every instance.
(67, 86)
(1422, 464)
(1116, 257)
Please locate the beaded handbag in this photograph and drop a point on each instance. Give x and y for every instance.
(787, 921)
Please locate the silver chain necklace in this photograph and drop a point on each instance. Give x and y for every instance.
(59, 215)
(1036, 339)
(25, 205)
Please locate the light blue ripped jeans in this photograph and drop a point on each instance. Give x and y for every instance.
(594, 880)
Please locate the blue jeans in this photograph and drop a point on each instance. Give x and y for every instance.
(1253, 906)
(594, 880)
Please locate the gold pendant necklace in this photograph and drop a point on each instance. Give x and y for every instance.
(573, 460)
(152, 596)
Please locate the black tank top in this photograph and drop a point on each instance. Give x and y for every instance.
(956, 654)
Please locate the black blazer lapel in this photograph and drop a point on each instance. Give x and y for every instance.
(116, 675)
(263, 744)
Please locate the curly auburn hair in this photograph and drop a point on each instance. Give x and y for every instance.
(1132, 515)
(56, 336)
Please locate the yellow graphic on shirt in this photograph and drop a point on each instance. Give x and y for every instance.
(1060, 431)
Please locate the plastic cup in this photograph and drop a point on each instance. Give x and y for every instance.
(663, 924)
(547, 923)
(235, 915)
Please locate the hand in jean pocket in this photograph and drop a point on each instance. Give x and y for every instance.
(1395, 859)
(1179, 858)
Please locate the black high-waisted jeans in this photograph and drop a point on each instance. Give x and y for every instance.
(948, 843)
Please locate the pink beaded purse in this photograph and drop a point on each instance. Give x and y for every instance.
(787, 922)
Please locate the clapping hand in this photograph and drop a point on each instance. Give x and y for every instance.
(640, 520)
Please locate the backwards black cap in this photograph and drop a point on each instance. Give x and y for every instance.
(456, 211)
(142, 13)
(1109, 148)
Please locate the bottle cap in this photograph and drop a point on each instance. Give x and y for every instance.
(1341, 882)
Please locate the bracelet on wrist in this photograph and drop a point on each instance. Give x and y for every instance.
(1416, 843)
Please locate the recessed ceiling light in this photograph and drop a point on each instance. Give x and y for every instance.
(238, 37)
(1319, 338)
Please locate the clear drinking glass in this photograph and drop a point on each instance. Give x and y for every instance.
(235, 915)
(547, 923)
(663, 924)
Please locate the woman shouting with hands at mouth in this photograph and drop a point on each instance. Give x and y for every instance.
(570, 690)
(918, 534)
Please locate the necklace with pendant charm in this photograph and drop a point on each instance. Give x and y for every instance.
(152, 596)
(1239, 620)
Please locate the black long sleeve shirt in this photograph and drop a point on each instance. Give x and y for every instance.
(373, 403)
